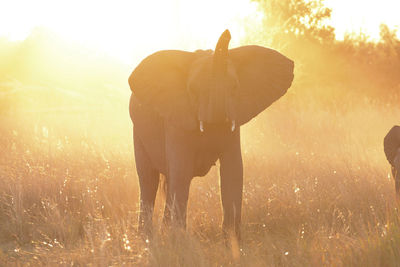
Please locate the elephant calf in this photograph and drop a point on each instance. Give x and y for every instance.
(187, 109)
(391, 145)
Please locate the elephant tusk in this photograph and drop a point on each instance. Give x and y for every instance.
(233, 127)
(201, 126)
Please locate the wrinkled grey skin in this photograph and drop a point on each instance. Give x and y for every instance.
(187, 109)
(391, 145)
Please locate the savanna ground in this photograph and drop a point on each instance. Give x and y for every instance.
(318, 190)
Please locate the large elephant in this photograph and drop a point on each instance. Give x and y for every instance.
(391, 146)
(187, 109)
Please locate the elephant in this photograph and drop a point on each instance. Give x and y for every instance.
(391, 146)
(187, 109)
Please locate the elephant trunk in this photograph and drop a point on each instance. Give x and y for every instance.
(218, 107)
(212, 109)
(221, 54)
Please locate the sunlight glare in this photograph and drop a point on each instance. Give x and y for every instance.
(366, 16)
(129, 29)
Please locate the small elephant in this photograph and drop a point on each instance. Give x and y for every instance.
(187, 109)
(391, 146)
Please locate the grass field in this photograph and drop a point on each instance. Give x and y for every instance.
(318, 190)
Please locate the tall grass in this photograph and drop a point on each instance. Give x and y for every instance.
(318, 190)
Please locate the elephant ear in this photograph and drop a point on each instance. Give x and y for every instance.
(159, 82)
(264, 76)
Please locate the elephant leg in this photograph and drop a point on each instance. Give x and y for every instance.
(231, 182)
(180, 162)
(176, 201)
(148, 182)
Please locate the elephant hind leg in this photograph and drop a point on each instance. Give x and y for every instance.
(148, 182)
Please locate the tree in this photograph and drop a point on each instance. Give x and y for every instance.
(297, 19)
(390, 42)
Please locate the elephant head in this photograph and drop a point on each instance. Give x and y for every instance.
(194, 89)
(212, 86)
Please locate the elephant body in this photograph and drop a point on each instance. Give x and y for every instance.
(206, 147)
(391, 146)
(187, 109)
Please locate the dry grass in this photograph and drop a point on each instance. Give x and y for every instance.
(317, 191)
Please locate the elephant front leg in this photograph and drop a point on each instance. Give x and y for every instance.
(231, 182)
(180, 162)
(176, 201)
(148, 182)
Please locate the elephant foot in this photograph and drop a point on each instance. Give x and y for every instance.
(145, 233)
(172, 221)
(145, 226)
(232, 241)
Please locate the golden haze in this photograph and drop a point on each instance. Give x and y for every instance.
(318, 189)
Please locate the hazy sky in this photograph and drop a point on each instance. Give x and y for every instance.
(365, 15)
(123, 28)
